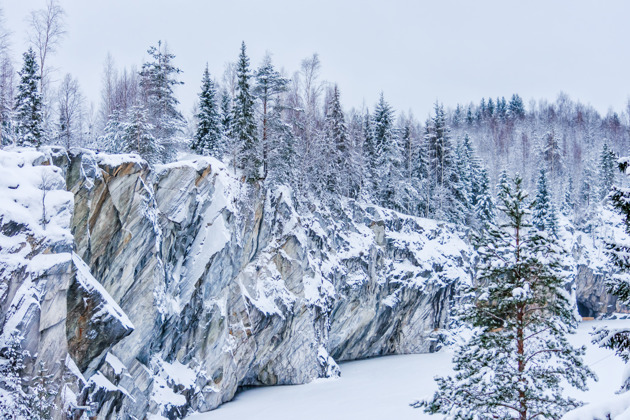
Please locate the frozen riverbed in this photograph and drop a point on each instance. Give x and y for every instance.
(382, 388)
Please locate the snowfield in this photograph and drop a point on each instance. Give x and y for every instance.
(383, 388)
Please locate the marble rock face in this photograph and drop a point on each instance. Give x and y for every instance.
(227, 285)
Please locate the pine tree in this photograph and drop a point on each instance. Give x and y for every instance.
(444, 182)
(113, 138)
(607, 171)
(42, 392)
(269, 85)
(484, 206)
(337, 145)
(568, 204)
(544, 214)
(208, 137)
(514, 364)
(138, 136)
(28, 103)
(13, 401)
(243, 125)
(157, 80)
(387, 157)
(516, 107)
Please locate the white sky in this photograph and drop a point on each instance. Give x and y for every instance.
(414, 51)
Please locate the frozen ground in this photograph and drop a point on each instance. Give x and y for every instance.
(382, 388)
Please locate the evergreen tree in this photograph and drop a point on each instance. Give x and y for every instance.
(337, 145)
(484, 206)
(443, 179)
(544, 215)
(42, 392)
(13, 401)
(138, 136)
(517, 358)
(387, 157)
(269, 85)
(113, 138)
(516, 107)
(28, 103)
(208, 137)
(158, 77)
(243, 125)
(607, 170)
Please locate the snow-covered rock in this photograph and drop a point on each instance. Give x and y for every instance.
(228, 285)
(39, 275)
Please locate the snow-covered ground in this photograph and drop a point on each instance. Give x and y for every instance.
(383, 388)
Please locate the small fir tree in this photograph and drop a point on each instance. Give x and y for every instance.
(544, 214)
(208, 136)
(42, 392)
(138, 136)
(28, 103)
(514, 364)
(243, 125)
(607, 171)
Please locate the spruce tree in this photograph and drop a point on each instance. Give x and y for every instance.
(113, 138)
(484, 206)
(13, 401)
(269, 85)
(28, 103)
(387, 157)
(208, 138)
(544, 214)
(138, 136)
(42, 392)
(518, 357)
(607, 171)
(243, 125)
(158, 78)
(337, 145)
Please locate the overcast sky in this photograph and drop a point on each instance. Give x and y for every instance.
(413, 51)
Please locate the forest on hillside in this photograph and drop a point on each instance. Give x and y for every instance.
(290, 128)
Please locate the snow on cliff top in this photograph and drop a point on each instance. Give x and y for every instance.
(28, 186)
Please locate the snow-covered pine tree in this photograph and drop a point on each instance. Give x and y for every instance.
(28, 104)
(243, 125)
(607, 171)
(158, 77)
(517, 358)
(138, 136)
(269, 85)
(568, 203)
(484, 206)
(208, 138)
(337, 146)
(444, 182)
(516, 108)
(113, 138)
(387, 159)
(544, 214)
(41, 394)
(13, 399)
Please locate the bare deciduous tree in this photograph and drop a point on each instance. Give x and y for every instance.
(70, 111)
(46, 28)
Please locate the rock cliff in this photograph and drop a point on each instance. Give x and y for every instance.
(205, 284)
